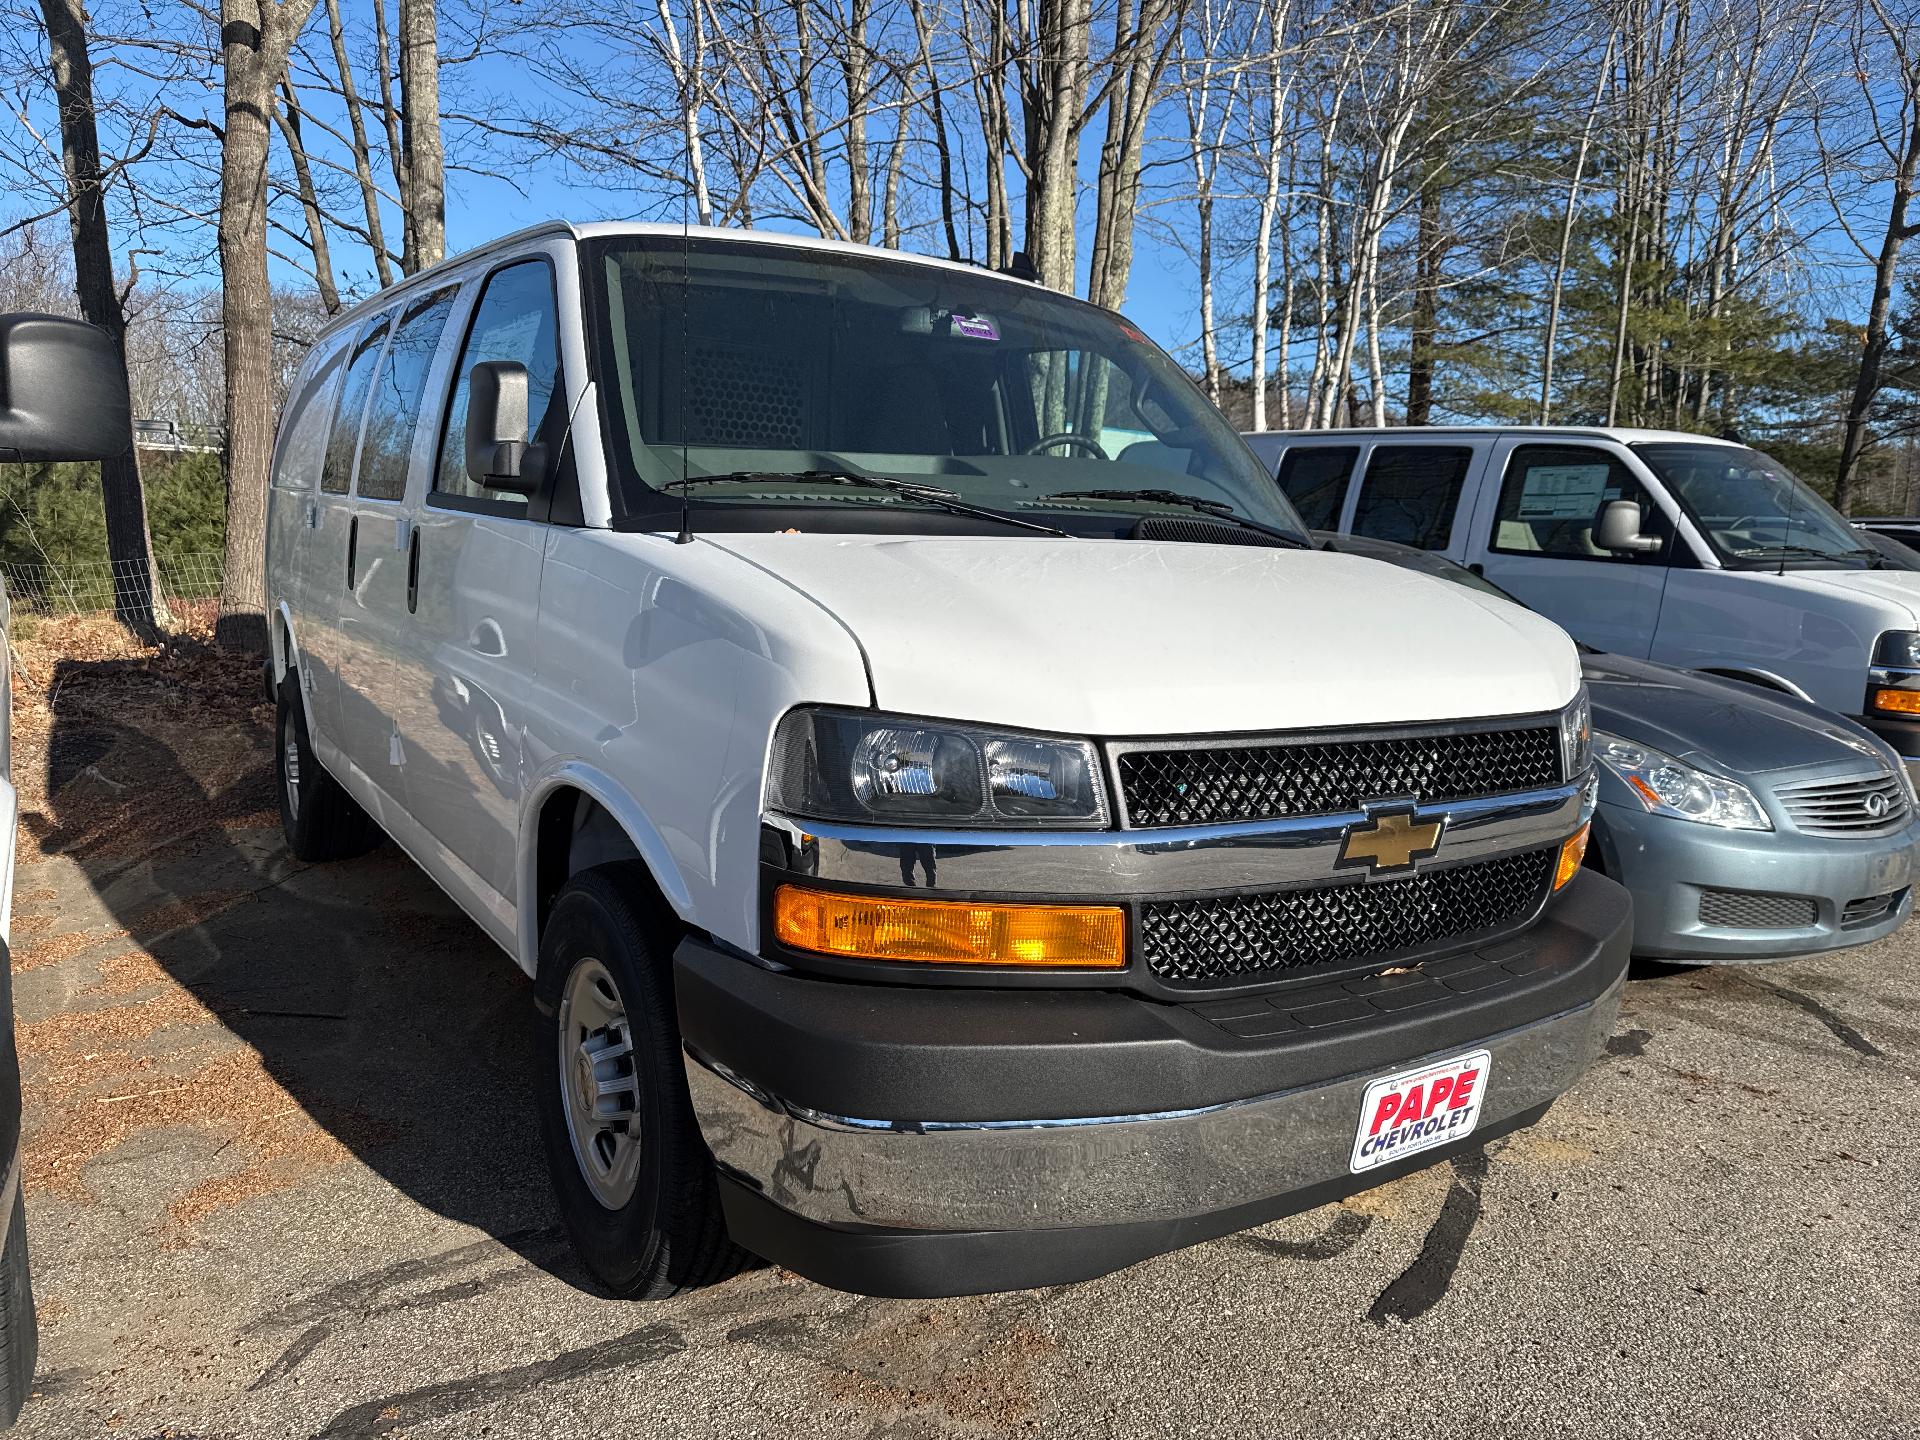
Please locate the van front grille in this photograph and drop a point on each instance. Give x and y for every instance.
(1239, 937)
(1272, 780)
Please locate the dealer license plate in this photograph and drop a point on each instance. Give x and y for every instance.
(1416, 1110)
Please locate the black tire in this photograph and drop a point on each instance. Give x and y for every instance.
(669, 1235)
(19, 1337)
(320, 820)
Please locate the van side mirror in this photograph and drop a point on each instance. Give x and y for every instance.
(1619, 529)
(63, 391)
(499, 453)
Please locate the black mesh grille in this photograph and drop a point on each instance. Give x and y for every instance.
(1235, 936)
(1268, 782)
(1749, 910)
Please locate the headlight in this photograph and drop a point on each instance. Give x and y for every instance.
(1666, 787)
(1893, 683)
(1576, 735)
(853, 765)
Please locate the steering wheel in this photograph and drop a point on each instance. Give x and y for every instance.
(1067, 437)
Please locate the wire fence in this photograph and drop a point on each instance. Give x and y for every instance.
(83, 587)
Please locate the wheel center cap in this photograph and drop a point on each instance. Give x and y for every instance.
(586, 1084)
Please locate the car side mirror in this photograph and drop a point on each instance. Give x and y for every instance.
(500, 455)
(63, 391)
(1619, 529)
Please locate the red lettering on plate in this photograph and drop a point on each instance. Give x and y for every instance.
(1442, 1087)
(1389, 1107)
(1463, 1090)
(1411, 1106)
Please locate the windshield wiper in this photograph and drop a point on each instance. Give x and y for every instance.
(934, 495)
(1802, 552)
(1218, 509)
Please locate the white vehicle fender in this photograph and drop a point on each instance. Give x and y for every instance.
(576, 774)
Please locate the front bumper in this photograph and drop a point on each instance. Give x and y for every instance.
(1902, 735)
(1670, 864)
(910, 1141)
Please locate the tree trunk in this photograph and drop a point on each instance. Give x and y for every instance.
(1277, 91)
(425, 195)
(1873, 348)
(287, 116)
(255, 37)
(129, 548)
(1566, 235)
(362, 154)
(1424, 331)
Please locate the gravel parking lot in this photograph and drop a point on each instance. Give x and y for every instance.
(284, 1180)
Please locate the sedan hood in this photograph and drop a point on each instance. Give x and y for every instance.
(1128, 638)
(1723, 725)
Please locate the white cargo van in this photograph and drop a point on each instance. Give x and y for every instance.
(1692, 551)
(962, 836)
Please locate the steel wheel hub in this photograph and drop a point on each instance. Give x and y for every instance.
(290, 771)
(600, 1092)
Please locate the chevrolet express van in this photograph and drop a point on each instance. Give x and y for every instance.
(962, 835)
(1654, 544)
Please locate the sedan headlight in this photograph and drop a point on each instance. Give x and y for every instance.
(1576, 735)
(1667, 787)
(855, 765)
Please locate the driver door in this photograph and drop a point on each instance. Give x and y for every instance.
(1536, 530)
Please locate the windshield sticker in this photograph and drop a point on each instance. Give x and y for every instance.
(972, 327)
(1563, 492)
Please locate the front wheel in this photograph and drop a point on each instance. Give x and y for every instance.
(633, 1177)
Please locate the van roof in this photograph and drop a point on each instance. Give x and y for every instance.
(605, 228)
(1627, 434)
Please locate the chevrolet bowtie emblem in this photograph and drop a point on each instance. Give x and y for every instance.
(1391, 842)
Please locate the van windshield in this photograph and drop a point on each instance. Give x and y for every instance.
(1754, 510)
(765, 371)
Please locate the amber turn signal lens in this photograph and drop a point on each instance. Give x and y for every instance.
(1899, 702)
(947, 932)
(1571, 854)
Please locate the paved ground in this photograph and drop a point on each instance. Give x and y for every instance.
(284, 1181)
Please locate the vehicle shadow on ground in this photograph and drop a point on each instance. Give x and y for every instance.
(386, 1015)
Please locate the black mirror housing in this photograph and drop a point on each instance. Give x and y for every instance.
(63, 391)
(500, 455)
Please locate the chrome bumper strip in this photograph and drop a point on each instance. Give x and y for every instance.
(1180, 860)
(1096, 1170)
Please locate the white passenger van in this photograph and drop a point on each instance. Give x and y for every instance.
(1666, 546)
(962, 836)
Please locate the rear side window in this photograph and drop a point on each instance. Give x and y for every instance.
(1551, 498)
(1314, 478)
(516, 319)
(336, 471)
(395, 408)
(303, 431)
(1410, 493)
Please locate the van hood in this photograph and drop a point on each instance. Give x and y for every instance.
(1135, 638)
(1897, 589)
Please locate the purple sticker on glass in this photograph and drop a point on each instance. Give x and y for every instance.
(972, 327)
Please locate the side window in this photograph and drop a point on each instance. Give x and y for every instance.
(336, 470)
(395, 407)
(1314, 478)
(303, 430)
(1550, 502)
(515, 320)
(1410, 492)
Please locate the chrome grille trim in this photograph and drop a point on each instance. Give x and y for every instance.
(1845, 806)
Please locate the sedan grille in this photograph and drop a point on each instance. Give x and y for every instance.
(1858, 805)
(1749, 910)
(1233, 937)
(1274, 780)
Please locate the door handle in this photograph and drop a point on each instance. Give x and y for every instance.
(353, 545)
(313, 515)
(413, 573)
